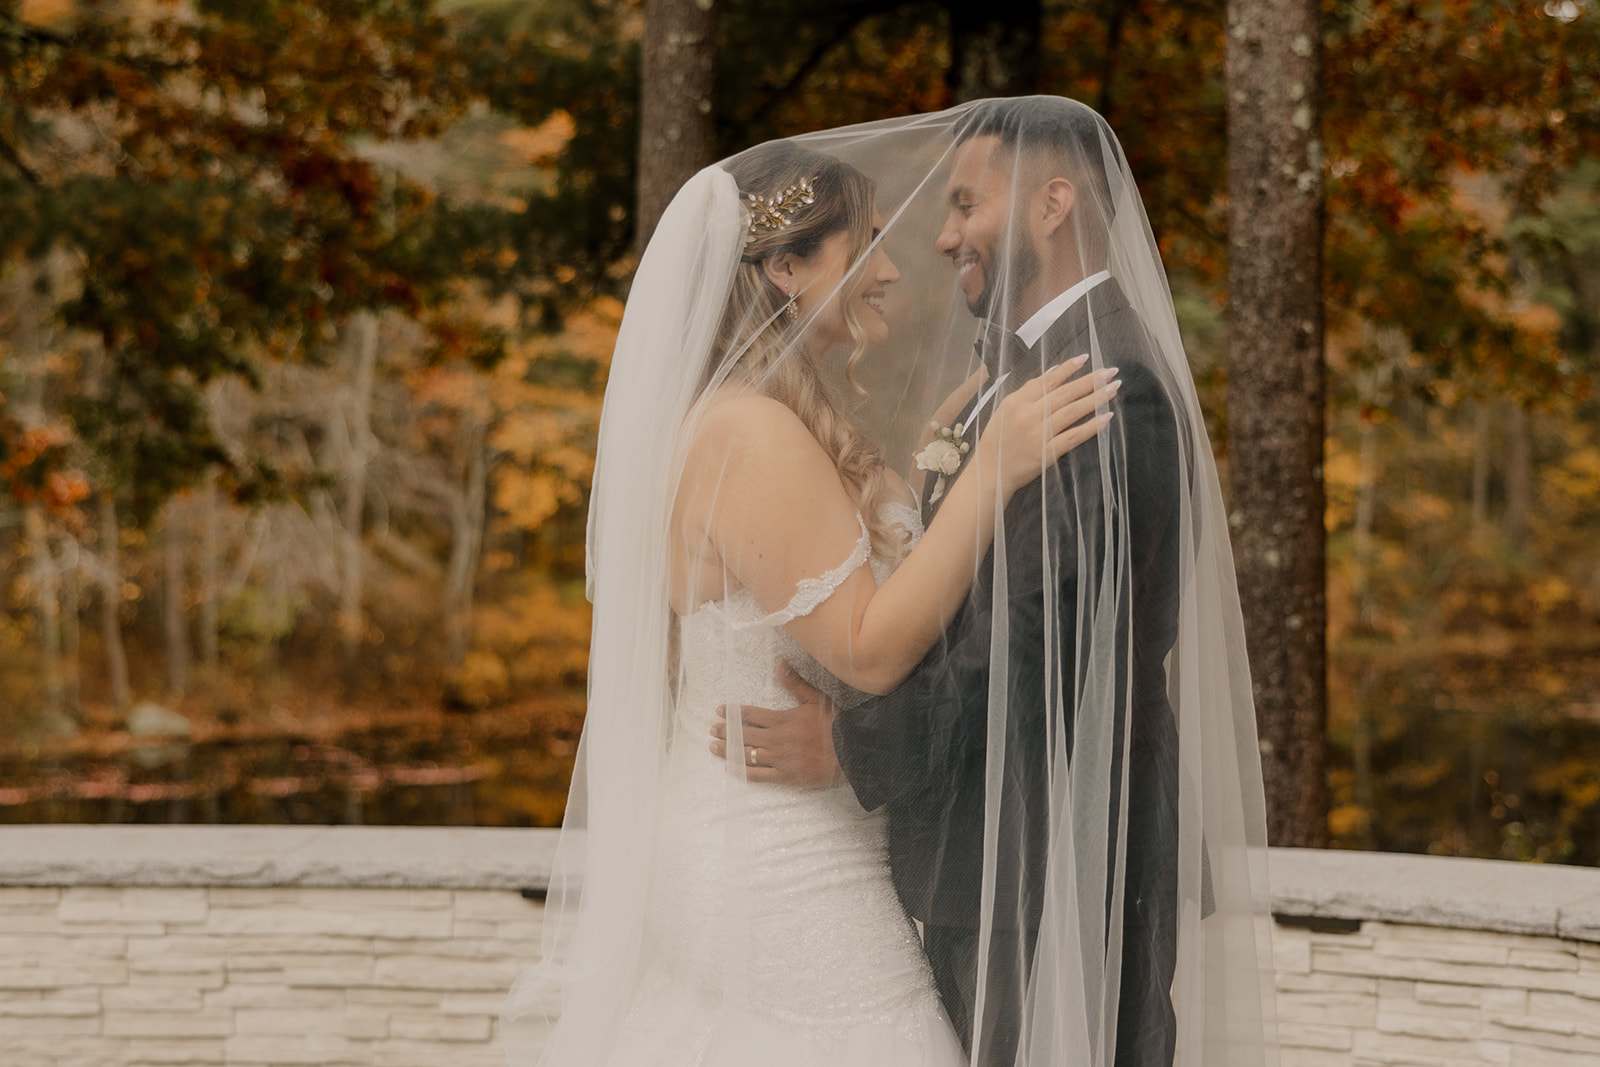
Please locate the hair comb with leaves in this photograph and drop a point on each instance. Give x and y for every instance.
(770, 214)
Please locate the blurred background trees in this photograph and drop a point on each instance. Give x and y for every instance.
(306, 306)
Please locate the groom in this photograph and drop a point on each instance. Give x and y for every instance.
(1028, 231)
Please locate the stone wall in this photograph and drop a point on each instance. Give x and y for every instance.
(202, 945)
(1417, 960)
(333, 946)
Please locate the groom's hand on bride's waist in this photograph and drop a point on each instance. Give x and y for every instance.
(793, 746)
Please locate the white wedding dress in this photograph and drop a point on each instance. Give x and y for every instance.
(773, 934)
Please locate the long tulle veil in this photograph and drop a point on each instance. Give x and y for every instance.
(1084, 725)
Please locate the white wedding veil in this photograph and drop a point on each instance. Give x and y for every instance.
(1048, 750)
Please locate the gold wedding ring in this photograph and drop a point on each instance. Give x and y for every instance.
(752, 755)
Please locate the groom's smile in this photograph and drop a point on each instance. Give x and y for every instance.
(980, 207)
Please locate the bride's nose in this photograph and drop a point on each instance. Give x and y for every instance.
(888, 273)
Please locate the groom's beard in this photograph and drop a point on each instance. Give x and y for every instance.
(1021, 271)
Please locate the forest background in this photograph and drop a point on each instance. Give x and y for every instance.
(305, 314)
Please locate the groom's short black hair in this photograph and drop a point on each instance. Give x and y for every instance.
(1053, 130)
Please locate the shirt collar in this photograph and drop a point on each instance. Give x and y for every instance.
(1030, 331)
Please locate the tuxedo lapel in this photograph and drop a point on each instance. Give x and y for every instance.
(975, 415)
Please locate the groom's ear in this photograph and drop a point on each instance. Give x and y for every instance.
(1052, 204)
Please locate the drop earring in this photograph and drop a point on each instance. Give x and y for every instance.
(791, 310)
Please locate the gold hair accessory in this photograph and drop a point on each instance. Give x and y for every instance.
(776, 213)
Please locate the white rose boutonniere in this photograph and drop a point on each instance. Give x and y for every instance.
(940, 456)
(943, 456)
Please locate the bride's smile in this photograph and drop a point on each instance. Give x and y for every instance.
(834, 292)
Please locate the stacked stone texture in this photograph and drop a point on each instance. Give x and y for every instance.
(1422, 996)
(99, 976)
(395, 948)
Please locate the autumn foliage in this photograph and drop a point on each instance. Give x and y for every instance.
(306, 308)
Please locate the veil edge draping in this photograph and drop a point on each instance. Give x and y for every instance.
(595, 902)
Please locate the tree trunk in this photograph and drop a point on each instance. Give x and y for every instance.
(71, 626)
(1480, 465)
(466, 543)
(46, 581)
(1366, 511)
(357, 418)
(1275, 396)
(994, 49)
(1361, 738)
(175, 614)
(1116, 20)
(677, 131)
(1519, 473)
(111, 603)
(209, 588)
(26, 303)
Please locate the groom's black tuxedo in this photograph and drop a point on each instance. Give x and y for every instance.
(921, 750)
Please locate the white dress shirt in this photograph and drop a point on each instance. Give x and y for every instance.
(1045, 317)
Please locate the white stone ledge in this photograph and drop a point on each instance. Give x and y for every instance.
(1521, 898)
(328, 856)
(1464, 894)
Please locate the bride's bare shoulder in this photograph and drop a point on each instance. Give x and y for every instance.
(752, 424)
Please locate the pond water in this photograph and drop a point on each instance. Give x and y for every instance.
(1450, 756)
(426, 769)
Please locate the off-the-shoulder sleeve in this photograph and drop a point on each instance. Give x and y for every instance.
(810, 593)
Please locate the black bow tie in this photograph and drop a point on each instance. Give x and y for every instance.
(1001, 350)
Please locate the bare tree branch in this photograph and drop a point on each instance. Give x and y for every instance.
(852, 16)
(9, 153)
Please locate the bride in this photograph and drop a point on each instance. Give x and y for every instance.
(776, 387)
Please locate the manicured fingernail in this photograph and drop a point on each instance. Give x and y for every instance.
(1111, 390)
(1105, 374)
(1077, 361)
(722, 711)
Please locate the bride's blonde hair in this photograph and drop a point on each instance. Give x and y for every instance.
(763, 341)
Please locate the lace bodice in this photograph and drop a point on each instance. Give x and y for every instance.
(821, 962)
